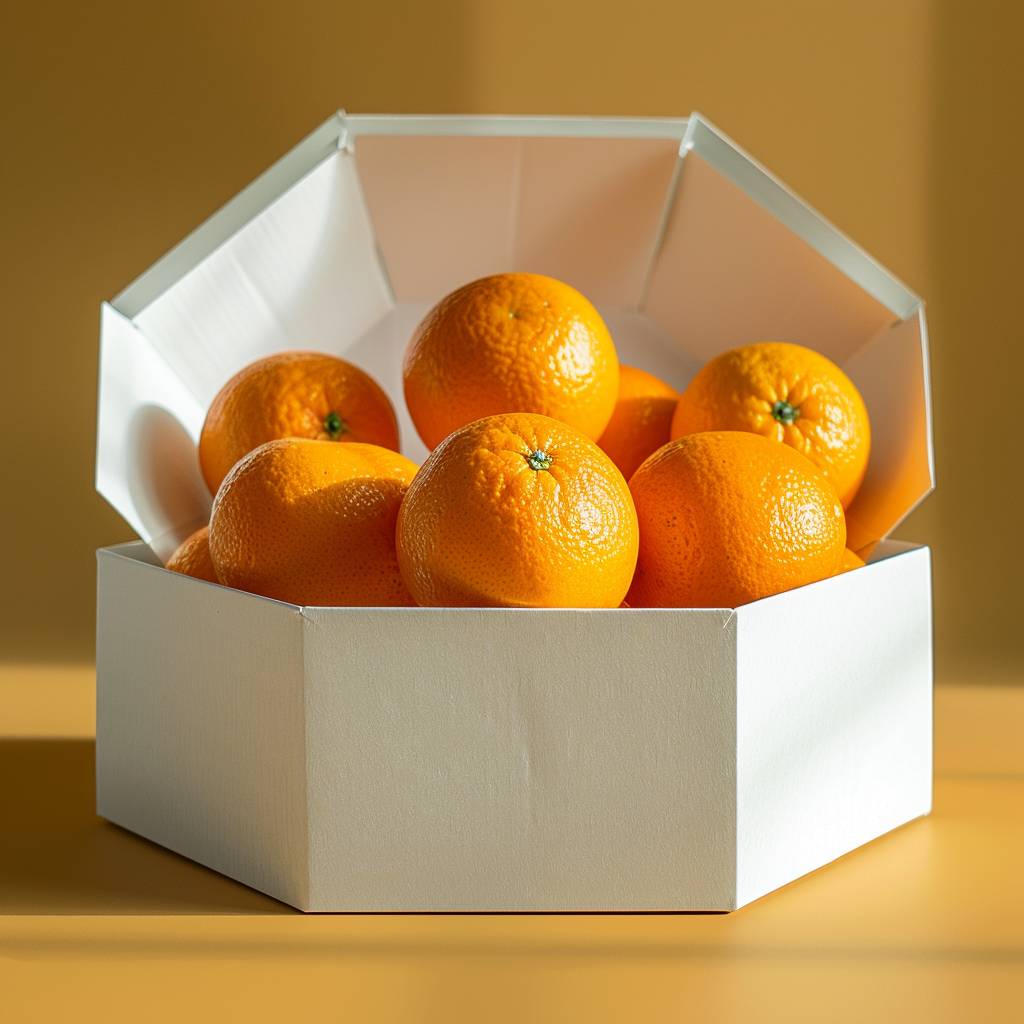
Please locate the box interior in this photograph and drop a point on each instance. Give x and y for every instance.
(683, 242)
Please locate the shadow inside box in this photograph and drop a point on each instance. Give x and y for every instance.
(58, 857)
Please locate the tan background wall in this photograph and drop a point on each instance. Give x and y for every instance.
(125, 124)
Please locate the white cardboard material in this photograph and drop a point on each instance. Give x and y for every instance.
(504, 759)
(149, 421)
(834, 725)
(507, 759)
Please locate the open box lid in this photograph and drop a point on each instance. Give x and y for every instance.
(686, 245)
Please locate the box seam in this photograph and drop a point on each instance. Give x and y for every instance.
(307, 880)
(735, 622)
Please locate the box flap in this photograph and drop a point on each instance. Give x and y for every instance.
(740, 259)
(303, 273)
(685, 243)
(891, 371)
(579, 208)
(148, 425)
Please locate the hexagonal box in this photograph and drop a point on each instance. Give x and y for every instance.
(508, 759)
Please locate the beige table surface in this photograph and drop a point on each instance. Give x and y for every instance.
(924, 924)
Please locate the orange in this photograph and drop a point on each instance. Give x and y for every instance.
(787, 393)
(192, 557)
(313, 523)
(851, 560)
(511, 343)
(729, 517)
(293, 394)
(641, 420)
(518, 510)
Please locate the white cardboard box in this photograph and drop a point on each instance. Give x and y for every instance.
(508, 759)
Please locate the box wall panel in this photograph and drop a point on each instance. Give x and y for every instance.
(833, 736)
(509, 759)
(199, 724)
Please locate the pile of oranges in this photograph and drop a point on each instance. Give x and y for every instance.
(556, 476)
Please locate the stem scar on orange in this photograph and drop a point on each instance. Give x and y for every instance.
(511, 343)
(518, 510)
(787, 393)
(293, 394)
